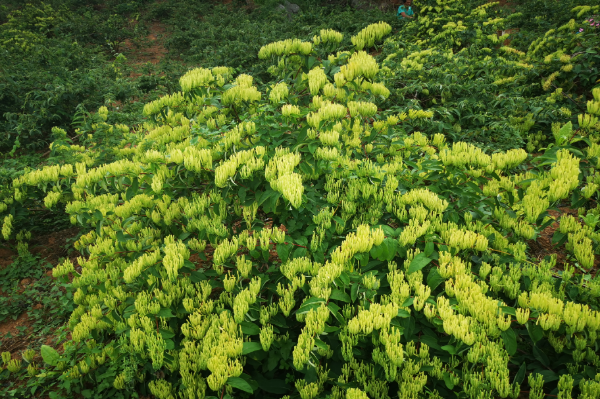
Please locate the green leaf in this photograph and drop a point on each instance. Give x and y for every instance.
(249, 328)
(50, 355)
(321, 344)
(340, 296)
(419, 262)
(434, 279)
(520, 376)
(541, 356)
(448, 380)
(558, 238)
(548, 375)
(430, 341)
(510, 341)
(403, 313)
(270, 385)
(299, 253)
(250, 347)
(535, 331)
(283, 251)
(98, 215)
(354, 292)
(197, 276)
(450, 349)
(166, 334)
(240, 384)
(429, 248)
(310, 304)
(166, 313)
(509, 310)
(121, 237)
(132, 190)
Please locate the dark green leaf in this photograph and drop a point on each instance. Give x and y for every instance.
(132, 190)
(354, 292)
(166, 313)
(250, 347)
(310, 304)
(510, 341)
(448, 380)
(271, 385)
(434, 279)
(249, 328)
(541, 356)
(535, 332)
(283, 251)
(340, 296)
(240, 384)
(166, 334)
(520, 376)
(419, 262)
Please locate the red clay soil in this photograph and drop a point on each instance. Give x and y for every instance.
(6, 257)
(151, 52)
(50, 247)
(543, 245)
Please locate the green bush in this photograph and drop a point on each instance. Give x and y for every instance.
(221, 36)
(452, 62)
(299, 241)
(47, 73)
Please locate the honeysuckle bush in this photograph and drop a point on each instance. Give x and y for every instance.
(300, 242)
(452, 61)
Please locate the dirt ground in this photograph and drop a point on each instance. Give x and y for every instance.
(50, 247)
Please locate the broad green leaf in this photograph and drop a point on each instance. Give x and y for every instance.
(240, 384)
(541, 356)
(166, 313)
(249, 328)
(520, 376)
(535, 331)
(510, 341)
(166, 334)
(321, 344)
(283, 251)
(419, 262)
(310, 304)
(271, 385)
(132, 190)
(354, 292)
(50, 355)
(250, 347)
(434, 279)
(340, 296)
(448, 380)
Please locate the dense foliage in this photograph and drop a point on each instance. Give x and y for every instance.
(337, 232)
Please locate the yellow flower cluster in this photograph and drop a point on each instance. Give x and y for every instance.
(243, 91)
(278, 93)
(285, 47)
(359, 64)
(370, 35)
(196, 78)
(331, 36)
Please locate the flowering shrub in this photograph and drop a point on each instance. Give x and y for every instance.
(449, 53)
(297, 241)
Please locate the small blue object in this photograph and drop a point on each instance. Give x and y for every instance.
(402, 9)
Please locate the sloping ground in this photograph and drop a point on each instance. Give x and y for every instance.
(36, 297)
(152, 50)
